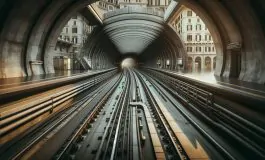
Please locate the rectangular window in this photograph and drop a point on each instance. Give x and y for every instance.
(205, 49)
(189, 13)
(189, 49)
(110, 8)
(74, 22)
(198, 38)
(198, 49)
(74, 30)
(189, 27)
(205, 37)
(74, 40)
(198, 27)
(189, 37)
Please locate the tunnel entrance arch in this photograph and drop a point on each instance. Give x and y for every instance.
(26, 48)
(222, 28)
(35, 39)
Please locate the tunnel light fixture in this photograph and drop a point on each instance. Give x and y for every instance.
(180, 61)
(168, 62)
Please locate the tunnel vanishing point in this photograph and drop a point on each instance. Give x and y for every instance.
(147, 107)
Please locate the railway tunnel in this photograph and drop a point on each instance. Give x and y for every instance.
(133, 96)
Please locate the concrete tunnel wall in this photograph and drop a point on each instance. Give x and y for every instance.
(29, 30)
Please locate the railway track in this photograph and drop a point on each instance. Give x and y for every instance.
(72, 145)
(132, 116)
(233, 127)
(108, 149)
(23, 147)
(168, 130)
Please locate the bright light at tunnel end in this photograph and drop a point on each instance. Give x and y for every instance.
(128, 63)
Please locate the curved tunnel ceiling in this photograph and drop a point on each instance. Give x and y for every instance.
(132, 31)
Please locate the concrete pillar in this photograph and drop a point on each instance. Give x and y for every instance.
(203, 63)
(233, 60)
(212, 57)
(193, 64)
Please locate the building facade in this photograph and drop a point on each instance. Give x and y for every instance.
(76, 31)
(69, 43)
(110, 5)
(63, 59)
(197, 40)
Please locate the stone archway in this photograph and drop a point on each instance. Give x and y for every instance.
(220, 25)
(198, 64)
(190, 64)
(207, 64)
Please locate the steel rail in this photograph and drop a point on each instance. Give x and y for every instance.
(86, 121)
(81, 104)
(182, 155)
(105, 135)
(223, 118)
(196, 125)
(125, 98)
